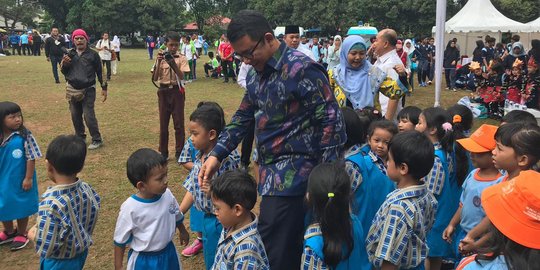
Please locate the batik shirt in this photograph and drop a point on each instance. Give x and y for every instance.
(298, 122)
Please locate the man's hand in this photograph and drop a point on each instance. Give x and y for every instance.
(208, 169)
(104, 95)
(66, 60)
(400, 69)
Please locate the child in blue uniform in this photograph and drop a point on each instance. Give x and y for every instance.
(367, 172)
(334, 239)
(148, 220)
(397, 238)
(18, 185)
(442, 180)
(206, 123)
(470, 212)
(356, 124)
(408, 118)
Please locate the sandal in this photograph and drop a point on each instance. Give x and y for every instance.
(20, 241)
(7, 238)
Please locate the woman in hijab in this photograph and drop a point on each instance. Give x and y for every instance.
(451, 57)
(356, 82)
(477, 53)
(334, 52)
(412, 55)
(115, 44)
(518, 52)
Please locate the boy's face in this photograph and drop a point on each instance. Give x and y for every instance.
(172, 45)
(532, 69)
(421, 126)
(227, 216)
(13, 121)
(200, 137)
(504, 157)
(379, 142)
(391, 169)
(482, 160)
(516, 71)
(157, 181)
(478, 72)
(405, 125)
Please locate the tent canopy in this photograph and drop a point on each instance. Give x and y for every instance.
(535, 25)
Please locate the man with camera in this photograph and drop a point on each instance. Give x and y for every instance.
(80, 66)
(168, 71)
(105, 53)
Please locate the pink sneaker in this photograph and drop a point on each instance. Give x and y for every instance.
(193, 249)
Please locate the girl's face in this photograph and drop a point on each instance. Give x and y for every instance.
(201, 137)
(421, 126)
(379, 142)
(399, 46)
(405, 125)
(337, 42)
(516, 71)
(452, 44)
(13, 121)
(505, 158)
(482, 160)
(356, 58)
(478, 72)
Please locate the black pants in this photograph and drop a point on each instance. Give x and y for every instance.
(423, 70)
(247, 145)
(118, 56)
(281, 225)
(36, 49)
(107, 63)
(55, 61)
(228, 71)
(15, 47)
(25, 48)
(85, 108)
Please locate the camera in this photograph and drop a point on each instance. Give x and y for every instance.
(71, 52)
(168, 56)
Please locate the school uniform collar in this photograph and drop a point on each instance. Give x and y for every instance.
(4, 142)
(60, 190)
(437, 145)
(241, 233)
(406, 193)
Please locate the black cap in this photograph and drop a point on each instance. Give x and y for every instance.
(292, 29)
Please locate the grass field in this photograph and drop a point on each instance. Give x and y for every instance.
(128, 120)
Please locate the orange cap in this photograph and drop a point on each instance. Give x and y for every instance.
(514, 208)
(482, 140)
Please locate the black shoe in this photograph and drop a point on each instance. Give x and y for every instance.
(225, 81)
(165, 156)
(57, 81)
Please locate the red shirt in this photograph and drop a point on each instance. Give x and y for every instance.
(225, 49)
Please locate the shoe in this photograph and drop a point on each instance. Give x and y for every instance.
(6, 238)
(454, 89)
(446, 88)
(20, 241)
(193, 249)
(57, 81)
(95, 145)
(225, 81)
(429, 82)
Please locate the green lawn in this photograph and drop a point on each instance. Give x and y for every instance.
(128, 120)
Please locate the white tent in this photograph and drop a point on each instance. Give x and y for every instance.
(535, 24)
(477, 19)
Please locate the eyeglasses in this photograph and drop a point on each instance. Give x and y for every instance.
(249, 55)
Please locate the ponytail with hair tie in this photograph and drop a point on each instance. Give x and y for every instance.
(447, 127)
(456, 119)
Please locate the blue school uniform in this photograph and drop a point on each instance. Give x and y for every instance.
(189, 154)
(166, 258)
(370, 187)
(313, 258)
(74, 263)
(447, 192)
(471, 263)
(16, 203)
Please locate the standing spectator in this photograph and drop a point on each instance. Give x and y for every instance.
(225, 51)
(316, 49)
(333, 52)
(488, 52)
(116, 45)
(292, 38)
(196, 53)
(198, 42)
(514, 39)
(81, 70)
(412, 61)
(188, 51)
(115, 54)
(451, 57)
(517, 52)
(67, 40)
(150, 43)
(431, 61)
(53, 51)
(424, 54)
(299, 125)
(25, 44)
(205, 47)
(104, 48)
(324, 54)
(499, 51)
(36, 43)
(477, 52)
(15, 41)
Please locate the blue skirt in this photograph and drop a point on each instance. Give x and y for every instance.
(166, 258)
(75, 263)
(196, 217)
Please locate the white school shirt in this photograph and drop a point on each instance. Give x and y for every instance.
(386, 63)
(104, 54)
(186, 50)
(148, 224)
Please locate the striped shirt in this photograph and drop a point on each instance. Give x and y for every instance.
(354, 171)
(310, 259)
(201, 200)
(31, 147)
(243, 249)
(436, 177)
(188, 153)
(398, 233)
(66, 219)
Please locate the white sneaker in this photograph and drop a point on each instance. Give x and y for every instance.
(95, 145)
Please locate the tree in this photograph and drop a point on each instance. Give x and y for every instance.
(202, 10)
(16, 11)
(520, 10)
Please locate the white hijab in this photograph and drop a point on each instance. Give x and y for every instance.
(408, 50)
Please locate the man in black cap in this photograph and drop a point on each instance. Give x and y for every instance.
(292, 38)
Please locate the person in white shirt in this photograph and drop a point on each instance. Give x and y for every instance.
(292, 39)
(104, 47)
(116, 56)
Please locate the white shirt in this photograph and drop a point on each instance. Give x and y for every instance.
(305, 50)
(186, 51)
(105, 54)
(242, 74)
(386, 63)
(147, 225)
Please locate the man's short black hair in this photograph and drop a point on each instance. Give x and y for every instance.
(211, 54)
(516, 38)
(141, 162)
(66, 153)
(172, 36)
(248, 22)
(519, 116)
(414, 149)
(235, 187)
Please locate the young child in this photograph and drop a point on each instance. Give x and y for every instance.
(514, 83)
(211, 65)
(18, 184)
(171, 93)
(335, 237)
(234, 195)
(408, 118)
(443, 181)
(518, 116)
(533, 84)
(356, 129)
(69, 210)
(462, 122)
(206, 123)
(187, 157)
(366, 168)
(512, 209)
(466, 119)
(470, 212)
(397, 238)
(148, 220)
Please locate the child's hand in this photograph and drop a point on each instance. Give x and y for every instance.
(27, 184)
(467, 246)
(206, 186)
(447, 234)
(184, 235)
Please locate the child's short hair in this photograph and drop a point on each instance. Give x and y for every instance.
(383, 124)
(356, 133)
(141, 162)
(519, 116)
(524, 138)
(172, 36)
(414, 149)
(211, 54)
(411, 113)
(209, 115)
(66, 153)
(235, 187)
